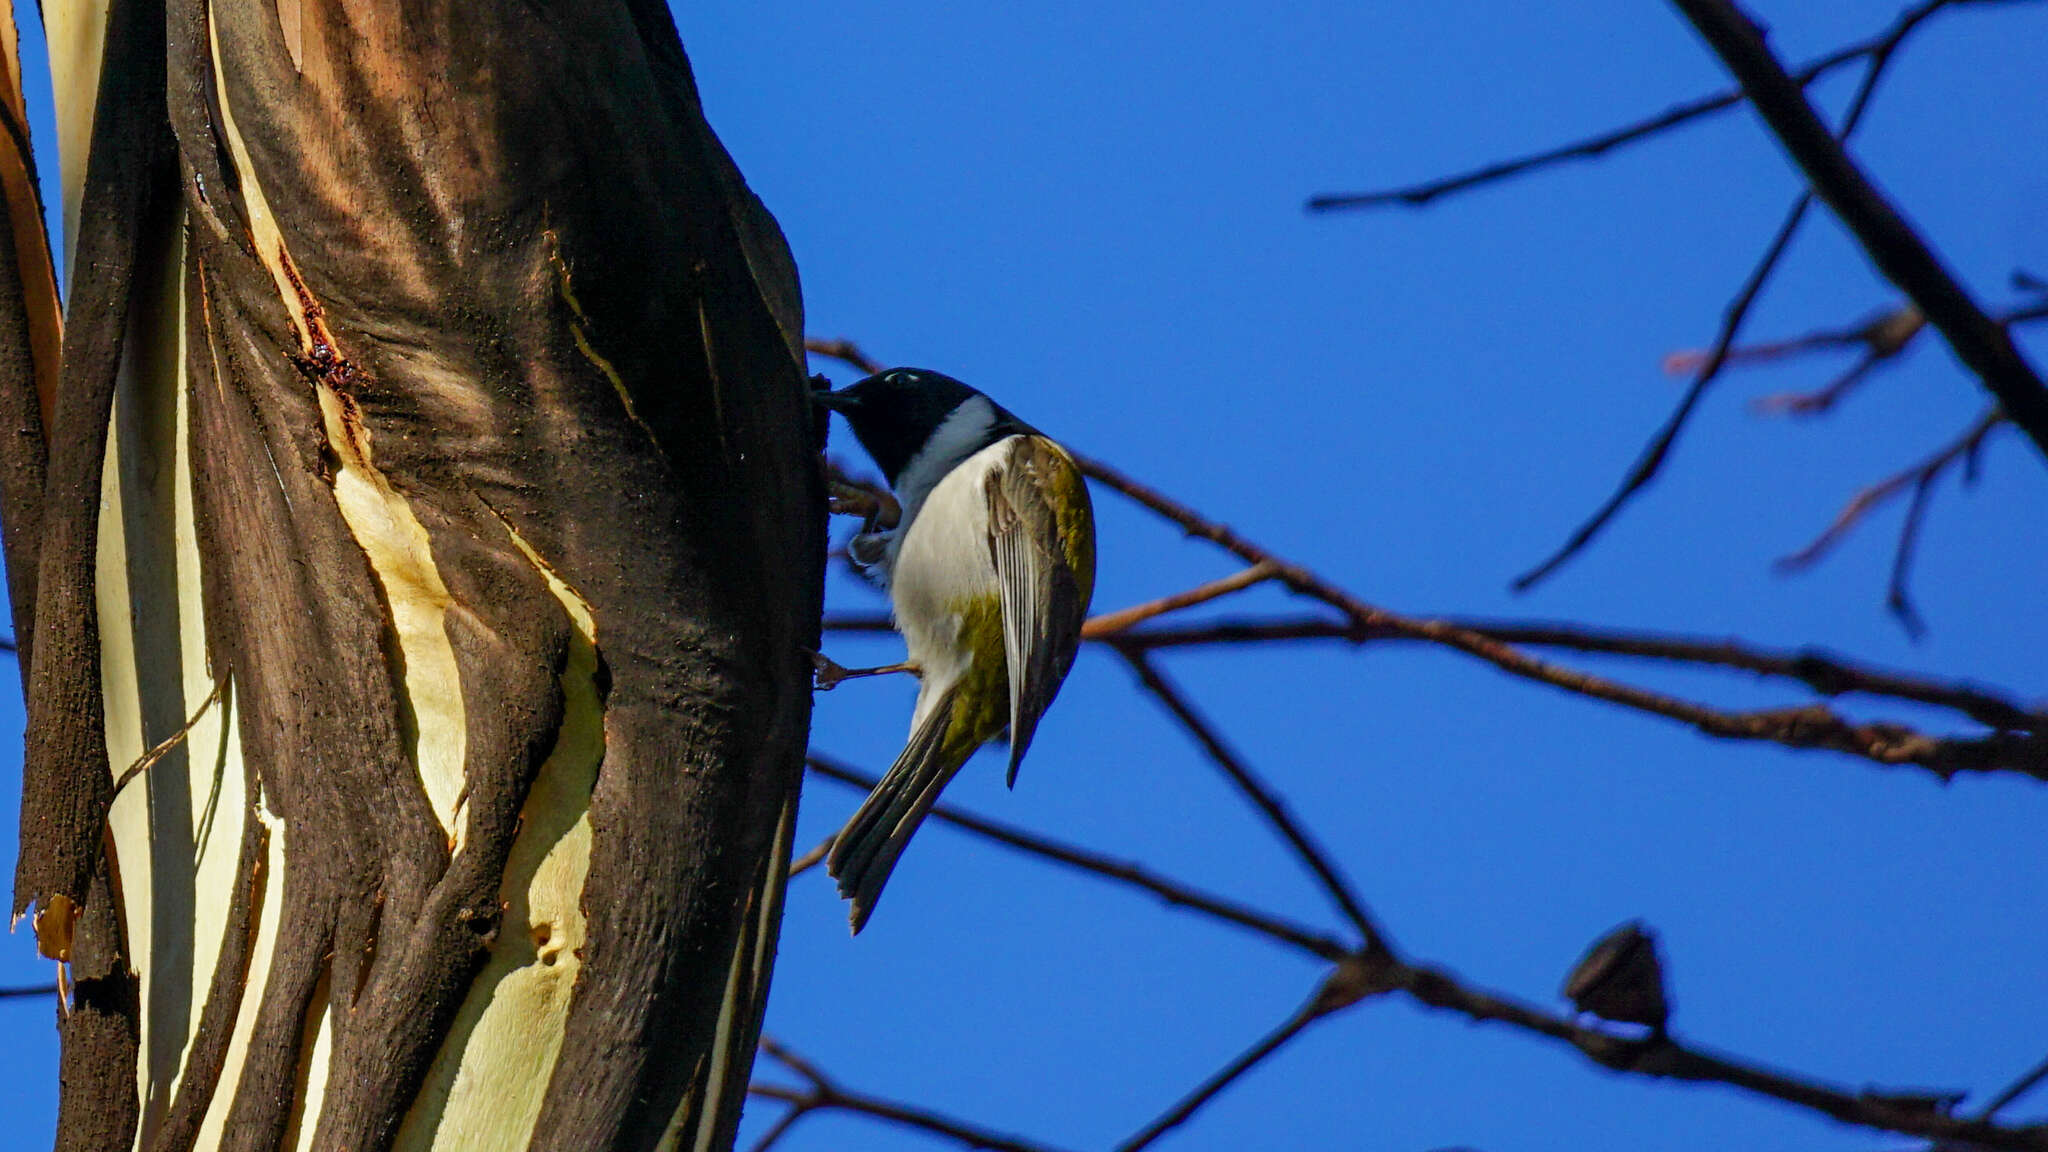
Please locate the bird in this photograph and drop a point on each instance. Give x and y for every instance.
(990, 569)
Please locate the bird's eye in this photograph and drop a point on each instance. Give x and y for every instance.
(899, 377)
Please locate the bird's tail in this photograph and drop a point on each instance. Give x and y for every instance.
(867, 848)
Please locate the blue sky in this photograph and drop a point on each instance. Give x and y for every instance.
(1093, 211)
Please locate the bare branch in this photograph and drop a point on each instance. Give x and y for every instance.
(1821, 400)
(1883, 337)
(24, 992)
(1112, 623)
(2027, 1082)
(781, 1127)
(1360, 975)
(1250, 1058)
(1809, 727)
(846, 352)
(1262, 796)
(1825, 674)
(1980, 342)
(1417, 195)
(1045, 848)
(1660, 1056)
(814, 857)
(1897, 600)
(1819, 340)
(1651, 461)
(826, 1095)
(1876, 495)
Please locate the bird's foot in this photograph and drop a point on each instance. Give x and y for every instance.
(829, 673)
(874, 505)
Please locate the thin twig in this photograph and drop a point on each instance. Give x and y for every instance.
(1897, 599)
(2027, 1082)
(1122, 620)
(1887, 333)
(1821, 340)
(814, 857)
(1262, 796)
(164, 746)
(1983, 344)
(827, 1095)
(781, 1127)
(1883, 337)
(1825, 674)
(1876, 495)
(1045, 848)
(23, 992)
(1821, 400)
(1250, 1058)
(1417, 195)
(846, 352)
(1651, 460)
(1360, 975)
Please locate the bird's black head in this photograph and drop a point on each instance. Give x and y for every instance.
(894, 413)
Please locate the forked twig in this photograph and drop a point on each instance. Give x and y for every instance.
(1597, 145)
(824, 1094)
(1982, 343)
(1357, 976)
(1813, 726)
(1876, 495)
(1651, 461)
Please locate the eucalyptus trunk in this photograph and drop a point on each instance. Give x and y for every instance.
(414, 552)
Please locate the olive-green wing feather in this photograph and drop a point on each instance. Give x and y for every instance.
(1042, 538)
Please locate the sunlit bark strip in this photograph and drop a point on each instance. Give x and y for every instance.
(451, 533)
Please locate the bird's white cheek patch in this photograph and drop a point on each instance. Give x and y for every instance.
(963, 433)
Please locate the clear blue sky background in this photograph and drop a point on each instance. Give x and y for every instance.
(1094, 212)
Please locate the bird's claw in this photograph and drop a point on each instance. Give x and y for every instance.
(827, 673)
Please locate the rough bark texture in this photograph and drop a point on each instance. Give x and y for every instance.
(493, 388)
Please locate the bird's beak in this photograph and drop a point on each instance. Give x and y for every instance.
(834, 401)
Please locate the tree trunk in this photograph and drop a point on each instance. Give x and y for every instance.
(431, 539)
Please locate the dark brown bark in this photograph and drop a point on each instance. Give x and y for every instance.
(67, 785)
(515, 281)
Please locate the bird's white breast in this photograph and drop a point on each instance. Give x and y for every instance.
(940, 560)
(958, 437)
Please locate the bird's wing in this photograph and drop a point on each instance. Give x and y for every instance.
(1042, 538)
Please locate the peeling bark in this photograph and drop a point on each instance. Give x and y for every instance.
(480, 427)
